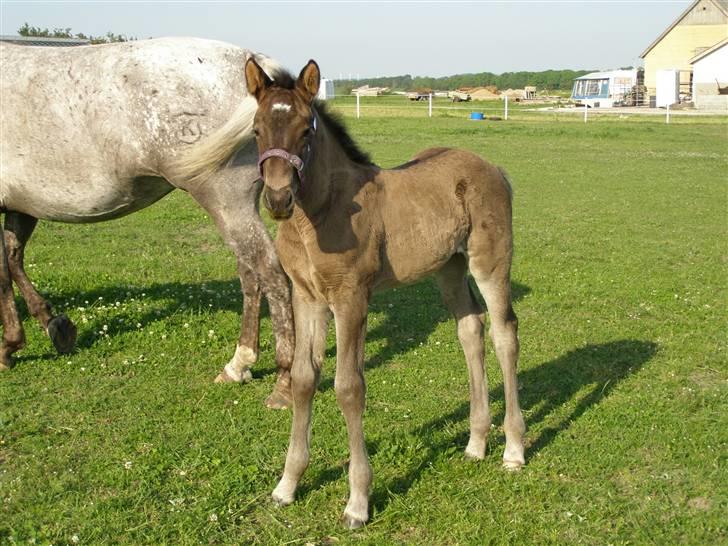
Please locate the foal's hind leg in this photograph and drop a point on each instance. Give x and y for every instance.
(18, 229)
(13, 335)
(458, 298)
(492, 274)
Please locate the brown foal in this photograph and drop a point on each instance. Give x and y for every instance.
(349, 228)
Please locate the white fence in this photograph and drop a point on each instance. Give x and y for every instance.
(500, 108)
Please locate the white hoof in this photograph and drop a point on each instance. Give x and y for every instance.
(353, 521)
(475, 450)
(283, 495)
(512, 466)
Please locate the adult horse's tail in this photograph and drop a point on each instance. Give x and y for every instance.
(214, 152)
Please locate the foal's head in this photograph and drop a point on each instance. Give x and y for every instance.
(284, 127)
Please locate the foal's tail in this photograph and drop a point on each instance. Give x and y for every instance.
(507, 181)
(215, 151)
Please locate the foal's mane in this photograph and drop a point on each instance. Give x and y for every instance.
(333, 122)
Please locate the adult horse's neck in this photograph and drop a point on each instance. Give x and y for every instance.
(330, 171)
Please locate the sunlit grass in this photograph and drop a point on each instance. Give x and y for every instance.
(620, 284)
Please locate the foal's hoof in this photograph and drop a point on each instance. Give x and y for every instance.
(62, 333)
(512, 466)
(7, 364)
(352, 522)
(278, 400)
(280, 500)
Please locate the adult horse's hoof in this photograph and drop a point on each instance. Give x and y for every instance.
(224, 377)
(281, 397)
(512, 466)
(278, 400)
(62, 333)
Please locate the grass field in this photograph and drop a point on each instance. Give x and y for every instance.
(620, 284)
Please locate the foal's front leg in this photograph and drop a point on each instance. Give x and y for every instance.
(311, 321)
(351, 323)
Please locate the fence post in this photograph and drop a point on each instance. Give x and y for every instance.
(358, 114)
(430, 110)
(586, 110)
(505, 114)
(667, 114)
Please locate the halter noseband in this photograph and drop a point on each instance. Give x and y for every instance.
(295, 161)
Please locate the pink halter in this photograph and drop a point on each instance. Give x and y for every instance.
(295, 161)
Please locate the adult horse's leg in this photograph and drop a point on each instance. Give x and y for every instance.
(231, 199)
(311, 326)
(17, 230)
(246, 353)
(13, 335)
(458, 298)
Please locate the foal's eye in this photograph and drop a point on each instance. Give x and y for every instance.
(256, 133)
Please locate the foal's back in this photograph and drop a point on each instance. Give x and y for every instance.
(428, 208)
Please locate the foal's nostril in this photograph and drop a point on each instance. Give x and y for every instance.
(289, 201)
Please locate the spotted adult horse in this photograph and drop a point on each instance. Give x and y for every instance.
(97, 132)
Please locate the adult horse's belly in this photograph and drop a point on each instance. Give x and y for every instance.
(82, 202)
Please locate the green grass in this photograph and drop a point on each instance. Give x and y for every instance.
(620, 282)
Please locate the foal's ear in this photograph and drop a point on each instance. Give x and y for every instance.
(309, 80)
(256, 79)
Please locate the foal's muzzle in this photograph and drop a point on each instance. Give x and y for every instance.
(279, 202)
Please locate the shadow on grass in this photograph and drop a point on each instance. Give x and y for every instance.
(411, 315)
(176, 297)
(544, 389)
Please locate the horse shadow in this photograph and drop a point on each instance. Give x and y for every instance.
(543, 390)
(176, 297)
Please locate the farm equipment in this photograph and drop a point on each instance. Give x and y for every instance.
(458, 96)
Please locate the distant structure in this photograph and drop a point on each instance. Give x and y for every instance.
(43, 41)
(326, 89)
(366, 91)
(603, 89)
(710, 77)
(701, 27)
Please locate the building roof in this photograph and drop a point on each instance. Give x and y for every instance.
(709, 51)
(722, 5)
(43, 41)
(606, 75)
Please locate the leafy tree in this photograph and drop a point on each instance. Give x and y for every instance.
(110, 37)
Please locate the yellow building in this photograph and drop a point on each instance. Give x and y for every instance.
(702, 25)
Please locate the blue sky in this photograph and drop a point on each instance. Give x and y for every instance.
(384, 38)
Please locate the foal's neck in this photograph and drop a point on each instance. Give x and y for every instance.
(330, 173)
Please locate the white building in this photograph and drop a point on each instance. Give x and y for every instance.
(603, 89)
(326, 89)
(710, 71)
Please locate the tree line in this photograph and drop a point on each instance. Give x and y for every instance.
(109, 37)
(546, 79)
